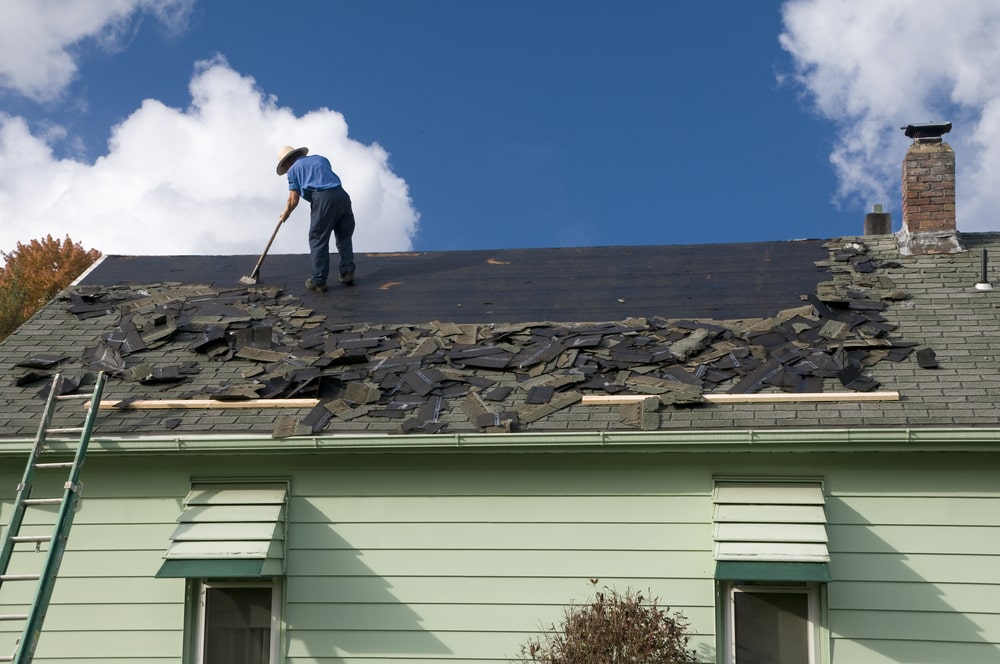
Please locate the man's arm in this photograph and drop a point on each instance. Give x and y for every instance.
(293, 201)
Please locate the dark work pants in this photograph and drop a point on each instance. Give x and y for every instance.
(330, 213)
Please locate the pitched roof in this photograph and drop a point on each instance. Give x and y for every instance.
(519, 340)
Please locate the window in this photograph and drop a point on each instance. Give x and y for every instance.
(229, 544)
(772, 564)
(771, 624)
(237, 623)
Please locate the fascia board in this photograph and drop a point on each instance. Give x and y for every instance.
(707, 441)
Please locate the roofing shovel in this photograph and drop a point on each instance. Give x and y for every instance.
(252, 279)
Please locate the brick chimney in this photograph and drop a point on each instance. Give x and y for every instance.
(929, 193)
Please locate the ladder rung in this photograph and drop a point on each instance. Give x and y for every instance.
(55, 464)
(13, 616)
(42, 501)
(32, 538)
(69, 397)
(6, 658)
(65, 430)
(20, 577)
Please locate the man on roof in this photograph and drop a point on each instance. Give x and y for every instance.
(311, 177)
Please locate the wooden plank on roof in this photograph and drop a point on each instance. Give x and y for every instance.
(788, 397)
(168, 404)
(768, 397)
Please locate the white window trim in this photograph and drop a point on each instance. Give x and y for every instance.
(202, 585)
(814, 607)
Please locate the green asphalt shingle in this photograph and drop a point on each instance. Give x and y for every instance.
(942, 311)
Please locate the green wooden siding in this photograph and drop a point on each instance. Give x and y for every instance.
(460, 558)
(878, 651)
(502, 563)
(519, 590)
(914, 556)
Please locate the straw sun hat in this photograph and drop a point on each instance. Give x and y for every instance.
(286, 155)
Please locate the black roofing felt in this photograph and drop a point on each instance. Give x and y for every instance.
(723, 281)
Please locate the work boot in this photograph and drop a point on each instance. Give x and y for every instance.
(315, 286)
(347, 278)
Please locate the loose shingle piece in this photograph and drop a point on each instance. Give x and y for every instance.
(262, 343)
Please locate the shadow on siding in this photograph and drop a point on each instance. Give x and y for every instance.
(914, 590)
(337, 605)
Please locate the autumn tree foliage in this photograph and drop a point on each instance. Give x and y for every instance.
(34, 273)
(613, 628)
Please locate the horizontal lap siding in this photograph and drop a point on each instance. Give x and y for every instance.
(877, 651)
(917, 573)
(387, 568)
(428, 559)
(106, 606)
(566, 562)
(351, 590)
(972, 597)
(461, 558)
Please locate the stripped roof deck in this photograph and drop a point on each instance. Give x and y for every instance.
(517, 285)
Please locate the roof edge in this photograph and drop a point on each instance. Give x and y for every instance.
(723, 441)
(85, 273)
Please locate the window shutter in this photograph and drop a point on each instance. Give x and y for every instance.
(229, 531)
(772, 522)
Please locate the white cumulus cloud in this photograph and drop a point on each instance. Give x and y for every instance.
(872, 67)
(37, 37)
(195, 180)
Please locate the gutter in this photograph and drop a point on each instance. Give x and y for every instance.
(701, 441)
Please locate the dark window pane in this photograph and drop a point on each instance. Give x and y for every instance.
(237, 626)
(771, 628)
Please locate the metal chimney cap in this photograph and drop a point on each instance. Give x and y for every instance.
(927, 130)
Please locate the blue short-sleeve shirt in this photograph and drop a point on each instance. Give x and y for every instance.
(311, 173)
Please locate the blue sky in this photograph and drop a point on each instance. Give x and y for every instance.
(151, 126)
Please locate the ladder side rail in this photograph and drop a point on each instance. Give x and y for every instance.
(53, 559)
(81, 448)
(24, 488)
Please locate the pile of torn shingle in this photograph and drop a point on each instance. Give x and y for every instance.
(501, 377)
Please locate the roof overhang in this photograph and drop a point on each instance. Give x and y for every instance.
(679, 440)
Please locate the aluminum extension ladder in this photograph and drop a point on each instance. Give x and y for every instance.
(45, 579)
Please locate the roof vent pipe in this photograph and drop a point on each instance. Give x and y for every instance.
(878, 222)
(984, 284)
